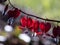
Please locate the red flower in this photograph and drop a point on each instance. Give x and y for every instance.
(23, 21)
(35, 26)
(29, 22)
(13, 13)
(44, 26)
(16, 13)
(56, 31)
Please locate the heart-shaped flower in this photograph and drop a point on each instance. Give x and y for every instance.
(14, 13)
(56, 31)
(45, 26)
(35, 26)
(23, 21)
(29, 23)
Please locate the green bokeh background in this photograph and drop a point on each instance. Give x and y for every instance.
(43, 8)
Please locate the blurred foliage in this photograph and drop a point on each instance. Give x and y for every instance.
(43, 8)
(3, 33)
(17, 31)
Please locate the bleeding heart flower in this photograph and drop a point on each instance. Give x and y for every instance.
(14, 13)
(35, 26)
(56, 31)
(23, 21)
(29, 22)
(44, 26)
